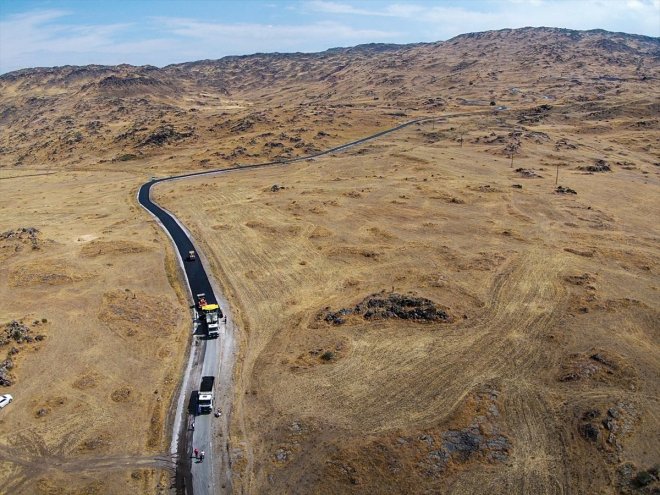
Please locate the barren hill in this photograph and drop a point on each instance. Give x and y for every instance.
(222, 111)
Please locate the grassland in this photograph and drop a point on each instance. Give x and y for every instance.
(92, 397)
(553, 299)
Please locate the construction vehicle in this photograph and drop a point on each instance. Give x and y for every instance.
(205, 395)
(209, 316)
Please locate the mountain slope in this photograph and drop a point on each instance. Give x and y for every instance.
(82, 115)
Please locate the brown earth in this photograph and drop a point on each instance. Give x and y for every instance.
(543, 379)
(114, 333)
(371, 405)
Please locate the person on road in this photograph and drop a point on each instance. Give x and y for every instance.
(201, 455)
(196, 453)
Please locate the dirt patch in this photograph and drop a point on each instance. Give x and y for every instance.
(47, 272)
(319, 356)
(87, 381)
(430, 457)
(122, 394)
(135, 314)
(96, 443)
(100, 248)
(320, 232)
(597, 365)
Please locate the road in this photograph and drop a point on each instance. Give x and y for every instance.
(213, 357)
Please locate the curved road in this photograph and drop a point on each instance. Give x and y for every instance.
(211, 357)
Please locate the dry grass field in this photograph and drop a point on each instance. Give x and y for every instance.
(415, 314)
(91, 396)
(544, 379)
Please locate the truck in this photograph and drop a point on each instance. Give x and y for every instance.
(205, 395)
(209, 316)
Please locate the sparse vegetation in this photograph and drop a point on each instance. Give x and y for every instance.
(490, 359)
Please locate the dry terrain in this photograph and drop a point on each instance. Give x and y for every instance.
(543, 378)
(424, 313)
(100, 341)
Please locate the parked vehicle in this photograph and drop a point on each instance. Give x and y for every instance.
(5, 399)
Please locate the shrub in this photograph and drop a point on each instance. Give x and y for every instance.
(328, 356)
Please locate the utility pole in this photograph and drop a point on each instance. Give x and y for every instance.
(511, 166)
(557, 176)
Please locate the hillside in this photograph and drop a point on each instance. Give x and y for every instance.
(268, 106)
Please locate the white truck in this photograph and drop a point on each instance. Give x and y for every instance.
(205, 395)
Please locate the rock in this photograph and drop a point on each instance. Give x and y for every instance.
(282, 455)
(591, 414)
(598, 166)
(438, 458)
(427, 438)
(164, 135)
(565, 190)
(461, 442)
(603, 360)
(18, 331)
(613, 412)
(393, 305)
(644, 478)
(527, 173)
(590, 432)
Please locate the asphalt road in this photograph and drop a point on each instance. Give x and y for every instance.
(212, 357)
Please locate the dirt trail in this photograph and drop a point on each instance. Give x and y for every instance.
(30, 464)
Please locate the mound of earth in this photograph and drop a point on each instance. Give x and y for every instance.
(385, 306)
(13, 241)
